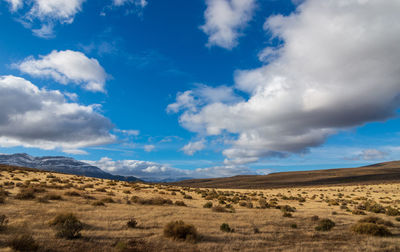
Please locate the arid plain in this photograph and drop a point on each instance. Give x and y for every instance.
(107, 215)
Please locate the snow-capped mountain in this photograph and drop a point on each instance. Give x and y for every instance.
(59, 164)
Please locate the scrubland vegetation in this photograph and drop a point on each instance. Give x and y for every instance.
(42, 211)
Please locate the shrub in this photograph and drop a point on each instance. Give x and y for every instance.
(315, 218)
(325, 225)
(397, 219)
(293, 225)
(286, 208)
(108, 200)
(3, 222)
(390, 211)
(178, 230)
(376, 220)
(67, 225)
(209, 204)
(53, 196)
(23, 242)
(371, 206)
(2, 199)
(43, 200)
(180, 203)
(358, 212)
(376, 208)
(98, 203)
(152, 201)
(25, 194)
(187, 197)
(256, 230)
(219, 209)
(249, 204)
(132, 223)
(287, 214)
(263, 203)
(73, 194)
(226, 228)
(370, 229)
(88, 197)
(4, 193)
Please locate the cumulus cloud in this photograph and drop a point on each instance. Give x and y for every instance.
(46, 13)
(151, 171)
(193, 147)
(63, 11)
(225, 20)
(33, 117)
(67, 67)
(337, 68)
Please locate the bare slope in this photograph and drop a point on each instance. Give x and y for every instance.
(377, 173)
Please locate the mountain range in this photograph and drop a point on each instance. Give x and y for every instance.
(60, 164)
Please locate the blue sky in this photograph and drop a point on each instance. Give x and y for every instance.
(167, 89)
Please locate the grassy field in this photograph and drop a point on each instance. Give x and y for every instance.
(121, 216)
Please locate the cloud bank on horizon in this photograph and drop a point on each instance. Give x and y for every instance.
(323, 68)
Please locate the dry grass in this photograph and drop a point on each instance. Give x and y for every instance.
(258, 226)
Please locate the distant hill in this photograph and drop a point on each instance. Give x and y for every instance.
(59, 164)
(376, 173)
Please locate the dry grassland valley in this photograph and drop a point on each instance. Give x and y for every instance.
(47, 211)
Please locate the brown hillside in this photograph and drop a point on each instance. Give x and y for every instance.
(377, 173)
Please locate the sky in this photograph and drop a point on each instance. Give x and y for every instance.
(204, 88)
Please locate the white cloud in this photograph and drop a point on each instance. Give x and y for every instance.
(140, 3)
(46, 13)
(370, 154)
(193, 147)
(129, 132)
(338, 68)
(75, 151)
(184, 100)
(225, 20)
(149, 148)
(33, 117)
(45, 31)
(15, 4)
(129, 6)
(63, 11)
(152, 171)
(192, 99)
(67, 67)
